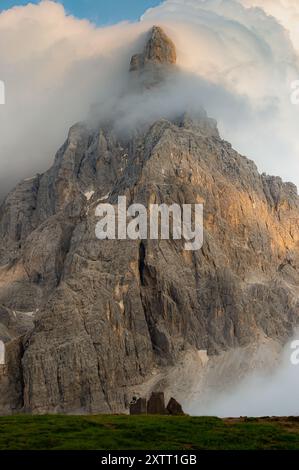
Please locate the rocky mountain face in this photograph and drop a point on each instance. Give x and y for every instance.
(86, 322)
(153, 64)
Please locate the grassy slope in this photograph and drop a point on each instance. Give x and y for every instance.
(145, 432)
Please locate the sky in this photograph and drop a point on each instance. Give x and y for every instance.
(98, 11)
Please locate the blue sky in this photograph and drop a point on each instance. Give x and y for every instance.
(99, 11)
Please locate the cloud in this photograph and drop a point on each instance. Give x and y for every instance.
(235, 58)
(266, 392)
(54, 67)
(285, 11)
(250, 55)
(236, 61)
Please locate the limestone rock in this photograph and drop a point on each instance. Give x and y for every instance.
(95, 319)
(159, 49)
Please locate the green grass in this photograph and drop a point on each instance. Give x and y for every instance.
(24, 432)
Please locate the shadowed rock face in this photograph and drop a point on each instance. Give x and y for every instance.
(156, 404)
(107, 314)
(174, 408)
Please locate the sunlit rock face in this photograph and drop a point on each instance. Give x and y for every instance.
(159, 49)
(157, 59)
(97, 320)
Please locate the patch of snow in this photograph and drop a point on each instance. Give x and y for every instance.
(29, 314)
(89, 195)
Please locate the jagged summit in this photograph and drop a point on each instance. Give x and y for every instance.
(158, 55)
(159, 49)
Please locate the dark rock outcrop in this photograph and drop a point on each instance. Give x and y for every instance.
(138, 407)
(156, 404)
(174, 408)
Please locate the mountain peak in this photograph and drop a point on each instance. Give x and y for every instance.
(159, 51)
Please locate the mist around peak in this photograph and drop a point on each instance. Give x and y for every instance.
(235, 61)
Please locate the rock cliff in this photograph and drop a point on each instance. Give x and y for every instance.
(88, 321)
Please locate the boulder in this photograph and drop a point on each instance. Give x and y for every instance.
(138, 407)
(174, 408)
(156, 404)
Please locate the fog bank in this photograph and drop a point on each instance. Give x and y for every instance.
(263, 393)
(236, 61)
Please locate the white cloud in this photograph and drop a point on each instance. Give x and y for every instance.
(285, 11)
(250, 55)
(54, 67)
(237, 62)
(262, 392)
